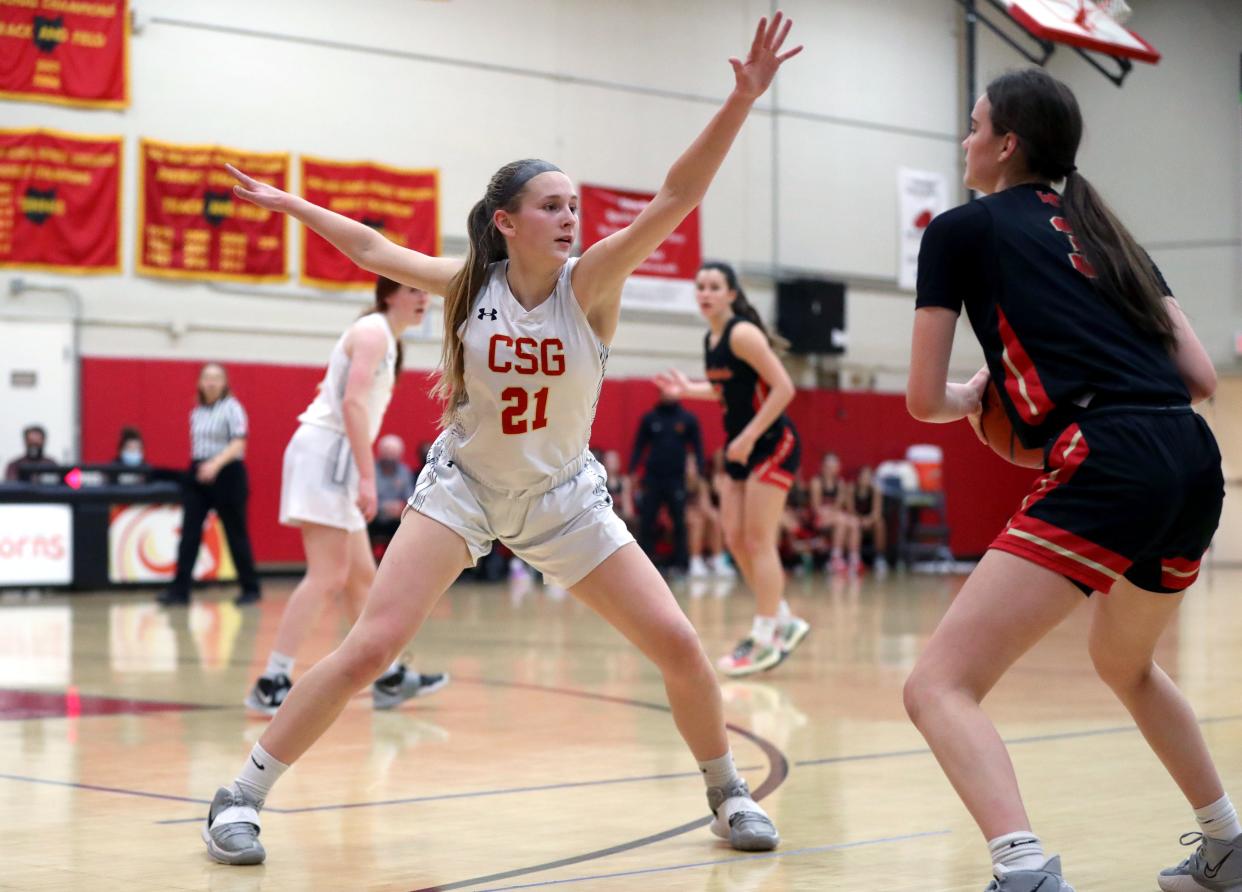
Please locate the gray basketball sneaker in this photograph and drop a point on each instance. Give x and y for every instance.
(395, 688)
(232, 828)
(740, 820)
(1215, 866)
(1047, 879)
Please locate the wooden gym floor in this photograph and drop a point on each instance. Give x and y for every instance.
(551, 761)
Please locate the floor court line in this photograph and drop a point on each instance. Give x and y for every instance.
(766, 856)
(505, 791)
(1010, 741)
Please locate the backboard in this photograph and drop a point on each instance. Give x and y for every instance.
(1083, 24)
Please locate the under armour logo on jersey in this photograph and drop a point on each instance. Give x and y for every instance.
(487, 314)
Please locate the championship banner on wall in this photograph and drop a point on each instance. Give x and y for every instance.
(60, 201)
(665, 280)
(143, 541)
(70, 52)
(192, 226)
(402, 204)
(921, 195)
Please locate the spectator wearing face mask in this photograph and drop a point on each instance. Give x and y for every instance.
(394, 484)
(34, 436)
(130, 451)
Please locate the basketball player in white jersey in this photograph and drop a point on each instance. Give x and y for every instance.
(328, 491)
(527, 331)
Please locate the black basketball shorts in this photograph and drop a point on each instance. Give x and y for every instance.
(1128, 492)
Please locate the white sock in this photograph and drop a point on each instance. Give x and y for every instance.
(719, 772)
(278, 664)
(1219, 820)
(259, 773)
(1017, 851)
(783, 613)
(763, 630)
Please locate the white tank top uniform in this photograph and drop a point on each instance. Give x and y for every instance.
(320, 479)
(514, 465)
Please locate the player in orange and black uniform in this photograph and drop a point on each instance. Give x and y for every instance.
(762, 457)
(1097, 365)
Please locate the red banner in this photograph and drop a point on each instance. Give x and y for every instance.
(192, 226)
(402, 204)
(604, 211)
(72, 52)
(60, 201)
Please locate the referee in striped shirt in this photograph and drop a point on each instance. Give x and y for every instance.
(218, 480)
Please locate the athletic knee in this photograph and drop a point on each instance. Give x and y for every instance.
(926, 692)
(363, 657)
(681, 653)
(1119, 673)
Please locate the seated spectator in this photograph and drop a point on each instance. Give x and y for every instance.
(394, 484)
(863, 516)
(828, 499)
(620, 487)
(130, 449)
(703, 526)
(131, 457)
(34, 437)
(799, 541)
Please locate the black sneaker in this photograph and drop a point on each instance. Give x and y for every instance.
(247, 598)
(172, 598)
(268, 693)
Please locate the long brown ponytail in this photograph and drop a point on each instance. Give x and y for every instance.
(486, 246)
(1043, 114)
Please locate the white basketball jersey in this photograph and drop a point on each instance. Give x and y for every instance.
(532, 384)
(325, 409)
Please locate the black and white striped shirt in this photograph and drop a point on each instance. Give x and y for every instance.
(213, 426)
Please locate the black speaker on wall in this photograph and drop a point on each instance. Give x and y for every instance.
(810, 314)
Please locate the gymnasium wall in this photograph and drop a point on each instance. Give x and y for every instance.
(614, 92)
(863, 428)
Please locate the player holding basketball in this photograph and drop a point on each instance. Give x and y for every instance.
(745, 375)
(328, 491)
(1096, 363)
(527, 331)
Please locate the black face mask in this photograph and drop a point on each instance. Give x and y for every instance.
(34, 451)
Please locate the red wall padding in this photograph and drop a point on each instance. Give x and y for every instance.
(863, 428)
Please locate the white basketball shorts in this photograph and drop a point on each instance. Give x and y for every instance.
(320, 481)
(564, 532)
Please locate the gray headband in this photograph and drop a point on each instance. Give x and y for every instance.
(526, 171)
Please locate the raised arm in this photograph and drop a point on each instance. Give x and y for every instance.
(360, 243)
(599, 275)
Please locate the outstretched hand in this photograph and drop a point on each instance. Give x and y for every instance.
(672, 384)
(262, 194)
(765, 56)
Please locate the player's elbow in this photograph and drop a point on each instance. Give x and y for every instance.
(1202, 385)
(921, 406)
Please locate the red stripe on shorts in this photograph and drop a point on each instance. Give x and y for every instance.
(770, 471)
(1062, 551)
(1178, 573)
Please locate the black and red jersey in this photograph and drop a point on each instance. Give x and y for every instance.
(1053, 342)
(736, 382)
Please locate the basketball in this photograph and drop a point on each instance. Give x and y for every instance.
(998, 432)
